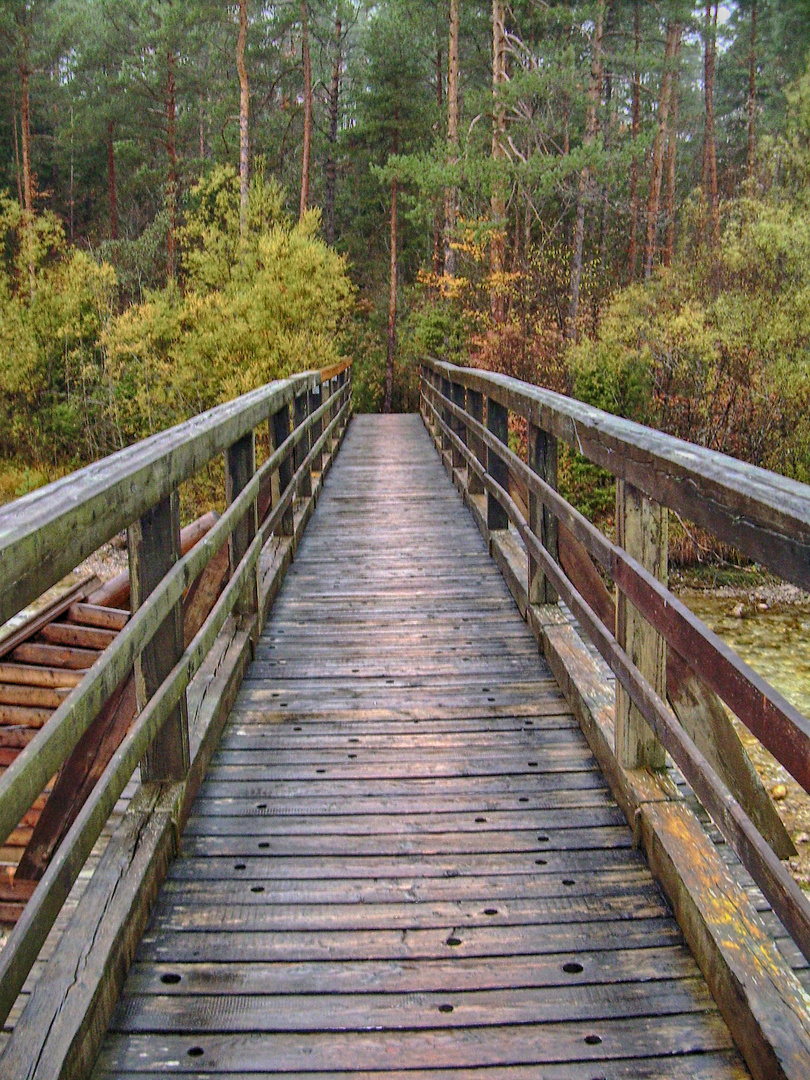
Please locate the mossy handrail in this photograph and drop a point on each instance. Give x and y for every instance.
(45, 534)
(764, 515)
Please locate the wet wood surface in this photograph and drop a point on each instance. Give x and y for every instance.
(404, 860)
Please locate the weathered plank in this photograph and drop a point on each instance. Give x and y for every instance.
(402, 831)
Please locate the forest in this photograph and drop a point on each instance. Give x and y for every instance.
(606, 197)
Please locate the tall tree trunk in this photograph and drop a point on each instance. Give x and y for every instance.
(438, 206)
(201, 125)
(392, 301)
(244, 110)
(607, 133)
(111, 183)
(632, 250)
(171, 149)
(672, 144)
(591, 127)
(307, 150)
(334, 105)
(654, 201)
(498, 205)
(451, 195)
(709, 140)
(17, 169)
(752, 96)
(28, 178)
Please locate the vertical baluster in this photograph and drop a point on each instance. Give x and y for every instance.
(542, 452)
(459, 427)
(327, 390)
(641, 527)
(154, 548)
(498, 424)
(475, 407)
(445, 387)
(317, 428)
(240, 465)
(279, 433)
(301, 412)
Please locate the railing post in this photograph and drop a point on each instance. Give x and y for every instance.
(459, 427)
(475, 407)
(542, 453)
(327, 391)
(154, 548)
(498, 424)
(300, 414)
(446, 390)
(642, 530)
(279, 433)
(317, 428)
(240, 465)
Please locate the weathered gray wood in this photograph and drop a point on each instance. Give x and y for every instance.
(498, 425)
(279, 433)
(316, 399)
(458, 395)
(75, 1038)
(542, 453)
(240, 466)
(475, 407)
(300, 414)
(328, 883)
(764, 515)
(46, 534)
(642, 530)
(154, 547)
(777, 724)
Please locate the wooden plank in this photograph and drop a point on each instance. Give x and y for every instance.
(82, 637)
(109, 618)
(764, 515)
(17, 694)
(49, 532)
(642, 530)
(154, 547)
(471, 1048)
(26, 675)
(46, 614)
(32, 652)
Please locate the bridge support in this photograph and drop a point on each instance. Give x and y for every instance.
(641, 528)
(154, 548)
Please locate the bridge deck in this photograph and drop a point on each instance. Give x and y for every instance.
(404, 860)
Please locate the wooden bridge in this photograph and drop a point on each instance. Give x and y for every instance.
(378, 833)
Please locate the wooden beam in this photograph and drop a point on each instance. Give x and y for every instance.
(641, 529)
(154, 547)
(542, 454)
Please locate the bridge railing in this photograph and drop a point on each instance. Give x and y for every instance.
(648, 630)
(46, 534)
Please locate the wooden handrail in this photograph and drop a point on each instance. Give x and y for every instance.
(762, 514)
(162, 462)
(482, 450)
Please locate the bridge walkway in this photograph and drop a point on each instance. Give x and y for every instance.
(404, 860)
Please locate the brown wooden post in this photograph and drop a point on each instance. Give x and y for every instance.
(446, 390)
(475, 407)
(279, 433)
(240, 465)
(154, 548)
(542, 451)
(317, 428)
(459, 427)
(642, 530)
(300, 414)
(498, 424)
(327, 390)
